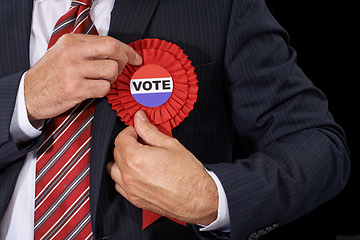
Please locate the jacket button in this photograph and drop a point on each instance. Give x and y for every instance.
(252, 236)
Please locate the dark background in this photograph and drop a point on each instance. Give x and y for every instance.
(323, 34)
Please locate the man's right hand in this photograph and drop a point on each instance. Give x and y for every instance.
(76, 68)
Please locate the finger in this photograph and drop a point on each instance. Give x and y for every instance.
(78, 37)
(126, 143)
(140, 202)
(148, 132)
(105, 69)
(120, 190)
(121, 53)
(114, 172)
(133, 57)
(106, 47)
(121, 187)
(128, 135)
(95, 88)
(100, 47)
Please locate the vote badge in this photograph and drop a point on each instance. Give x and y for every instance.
(164, 86)
(151, 85)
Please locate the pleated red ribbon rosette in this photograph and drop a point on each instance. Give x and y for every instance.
(164, 87)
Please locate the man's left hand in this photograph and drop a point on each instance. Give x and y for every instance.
(155, 172)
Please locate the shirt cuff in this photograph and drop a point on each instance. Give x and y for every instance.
(21, 129)
(222, 222)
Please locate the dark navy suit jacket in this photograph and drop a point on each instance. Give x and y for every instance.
(259, 123)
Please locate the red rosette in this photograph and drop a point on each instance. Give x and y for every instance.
(169, 114)
(185, 88)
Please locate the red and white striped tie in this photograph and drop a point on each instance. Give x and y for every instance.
(62, 208)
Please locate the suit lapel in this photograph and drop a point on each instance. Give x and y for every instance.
(103, 127)
(15, 18)
(126, 25)
(130, 19)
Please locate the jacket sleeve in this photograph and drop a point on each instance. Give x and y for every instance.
(9, 150)
(298, 157)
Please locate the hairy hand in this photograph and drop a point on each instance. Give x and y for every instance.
(76, 68)
(155, 172)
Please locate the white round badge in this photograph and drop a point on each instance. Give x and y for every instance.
(151, 85)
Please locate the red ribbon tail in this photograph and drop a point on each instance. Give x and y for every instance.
(150, 217)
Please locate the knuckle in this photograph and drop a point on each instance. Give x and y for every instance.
(133, 161)
(111, 42)
(118, 140)
(104, 88)
(67, 37)
(64, 38)
(133, 199)
(98, 90)
(69, 91)
(112, 69)
(129, 183)
(136, 201)
(65, 54)
(171, 142)
(119, 145)
(69, 87)
(123, 61)
(129, 157)
(127, 179)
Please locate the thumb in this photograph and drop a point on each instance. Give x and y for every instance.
(147, 131)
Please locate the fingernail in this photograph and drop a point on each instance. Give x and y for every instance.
(142, 116)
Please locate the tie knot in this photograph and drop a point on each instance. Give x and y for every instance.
(82, 2)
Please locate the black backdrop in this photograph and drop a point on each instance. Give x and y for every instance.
(324, 35)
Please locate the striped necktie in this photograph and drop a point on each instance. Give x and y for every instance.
(62, 208)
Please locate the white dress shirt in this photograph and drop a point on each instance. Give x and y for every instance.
(18, 221)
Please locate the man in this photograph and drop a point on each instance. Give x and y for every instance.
(292, 157)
